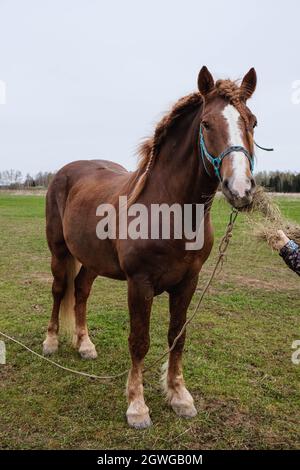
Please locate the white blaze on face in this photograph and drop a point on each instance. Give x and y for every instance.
(240, 181)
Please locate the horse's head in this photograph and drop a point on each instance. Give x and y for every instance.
(226, 134)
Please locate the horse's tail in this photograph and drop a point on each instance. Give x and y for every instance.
(67, 306)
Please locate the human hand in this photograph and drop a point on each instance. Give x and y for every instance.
(281, 241)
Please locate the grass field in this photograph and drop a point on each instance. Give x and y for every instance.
(237, 361)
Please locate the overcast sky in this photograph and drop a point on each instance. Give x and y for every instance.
(90, 78)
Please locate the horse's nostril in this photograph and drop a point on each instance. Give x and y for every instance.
(249, 191)
(226, 183)
(252, 181)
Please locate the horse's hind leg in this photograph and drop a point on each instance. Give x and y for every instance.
(83, 285)
(178, 396)
(59, 285)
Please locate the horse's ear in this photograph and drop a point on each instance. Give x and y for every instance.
(205, 81)
(248, 85)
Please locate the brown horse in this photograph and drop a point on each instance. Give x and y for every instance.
(172, 169)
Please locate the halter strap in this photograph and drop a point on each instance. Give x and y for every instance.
(217, 161)
(263, 148)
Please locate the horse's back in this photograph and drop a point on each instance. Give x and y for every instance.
(95, 170)
(83, 173)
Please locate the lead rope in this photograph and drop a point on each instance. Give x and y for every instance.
(219, 263)
(225, 240)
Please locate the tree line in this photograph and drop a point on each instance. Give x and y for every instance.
(279, 181)
(13, 179)
(276, 181)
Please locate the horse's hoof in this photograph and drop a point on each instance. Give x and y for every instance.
(87, 349)
(50, 346)
(184, 410)
(137, 415)
(88, 353)
(142, 421)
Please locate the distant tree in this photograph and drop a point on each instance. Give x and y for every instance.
(11, 178)
(43, 178)
(29, 181)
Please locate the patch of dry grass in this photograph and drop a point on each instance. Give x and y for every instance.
(271, 219)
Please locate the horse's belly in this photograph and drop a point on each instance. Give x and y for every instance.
(82, 241)
(99, 256)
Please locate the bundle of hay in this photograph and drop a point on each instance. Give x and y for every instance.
(273, 220)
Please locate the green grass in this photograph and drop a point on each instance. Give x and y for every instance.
(237, 360)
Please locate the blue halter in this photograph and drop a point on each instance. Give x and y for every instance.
(217, 161)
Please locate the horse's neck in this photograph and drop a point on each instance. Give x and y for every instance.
(178, 174)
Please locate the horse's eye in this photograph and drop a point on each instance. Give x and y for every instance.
(205, 125)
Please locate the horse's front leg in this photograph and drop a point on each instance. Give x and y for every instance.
(140, 297)
(177, 394)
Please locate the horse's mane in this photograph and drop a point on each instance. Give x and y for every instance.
(148, 151)
(150, 147)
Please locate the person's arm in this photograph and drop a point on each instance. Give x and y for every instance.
(289, 251)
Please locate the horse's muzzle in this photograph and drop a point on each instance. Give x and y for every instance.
(239, 196)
